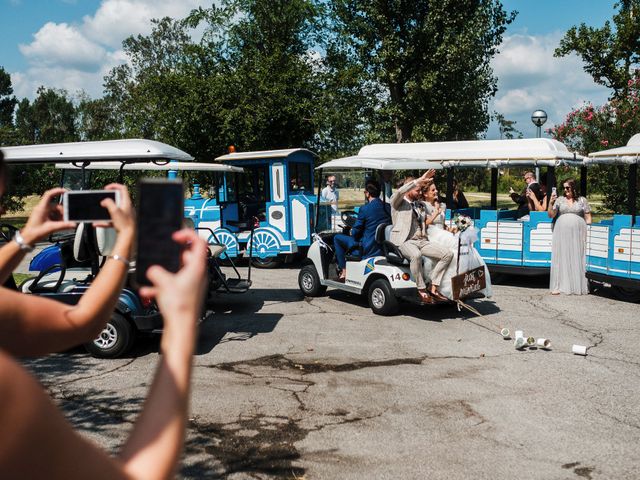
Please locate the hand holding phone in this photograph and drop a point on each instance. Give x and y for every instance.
(160, 212)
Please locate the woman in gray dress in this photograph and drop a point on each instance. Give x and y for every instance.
(572, 214)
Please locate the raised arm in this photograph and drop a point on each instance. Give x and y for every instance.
(33, 325)
(30, 421)
(45, 219)
(154, 446)
(551, 210)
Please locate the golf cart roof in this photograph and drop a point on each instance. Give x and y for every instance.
(239, 156)
(630, 153)
(165, 167)
(479, 153)
(100, 151)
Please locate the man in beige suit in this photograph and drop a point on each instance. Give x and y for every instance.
(409, 234)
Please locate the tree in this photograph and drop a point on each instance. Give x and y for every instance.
(507, 127)
(434, 66)
(611, 55)
(8, 101)
(590, 129)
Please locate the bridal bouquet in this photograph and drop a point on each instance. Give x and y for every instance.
(462, 222)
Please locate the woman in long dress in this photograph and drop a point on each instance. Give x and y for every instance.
(438, 232)
(572, 214)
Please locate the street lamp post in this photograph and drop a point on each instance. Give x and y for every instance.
(539, 117)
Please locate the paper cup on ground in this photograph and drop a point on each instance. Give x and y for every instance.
(531, 341)
(520, 343)
(519, 333)
(506, 334)
(544, 343)
(579, 350)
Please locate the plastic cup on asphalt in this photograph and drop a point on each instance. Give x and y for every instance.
(543, 343)
(579, 350)
(506, 334)
(520, 343)
(531, 341)
(519, 333)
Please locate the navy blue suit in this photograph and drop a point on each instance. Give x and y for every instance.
(363, 233)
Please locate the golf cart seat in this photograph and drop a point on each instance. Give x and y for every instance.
(391, 252)
(59, 278)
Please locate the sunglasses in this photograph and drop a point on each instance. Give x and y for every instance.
(566, 187)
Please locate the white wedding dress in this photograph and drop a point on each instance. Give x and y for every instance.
(469, 256)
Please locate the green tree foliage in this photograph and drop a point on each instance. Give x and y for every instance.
(431, 57)
(611, 54)
(590, 129)
(507, 127)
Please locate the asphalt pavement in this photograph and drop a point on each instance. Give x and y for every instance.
(291, 387)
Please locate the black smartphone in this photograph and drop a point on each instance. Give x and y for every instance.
(84, 205)
(160, 212)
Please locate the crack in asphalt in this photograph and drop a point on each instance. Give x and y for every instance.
(91, 377)
(619, 420)
(595, 336)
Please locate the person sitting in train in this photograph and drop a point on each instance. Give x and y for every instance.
(458, 200)
(523, 200)
(363, 233)
(534, 203)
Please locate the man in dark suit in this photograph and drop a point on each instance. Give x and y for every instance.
(363, 233)
(522, 200)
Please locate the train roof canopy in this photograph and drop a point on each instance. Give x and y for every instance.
(630, 153)
(477, 153)
(264, 154)
(140, 150)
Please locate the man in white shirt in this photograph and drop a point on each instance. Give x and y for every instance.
(330, 193)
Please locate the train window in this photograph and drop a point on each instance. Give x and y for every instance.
(299, 176)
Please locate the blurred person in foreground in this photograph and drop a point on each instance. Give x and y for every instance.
(36, 441)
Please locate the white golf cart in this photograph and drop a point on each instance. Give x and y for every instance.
(385, 279)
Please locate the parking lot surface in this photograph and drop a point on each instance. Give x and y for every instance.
(293, 387)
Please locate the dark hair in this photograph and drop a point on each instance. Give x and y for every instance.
(373, 187)
(572, 186)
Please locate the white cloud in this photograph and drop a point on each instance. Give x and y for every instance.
(76, 56)
(530, 77)
(62, 45)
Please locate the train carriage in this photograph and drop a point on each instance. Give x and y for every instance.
(613, 245)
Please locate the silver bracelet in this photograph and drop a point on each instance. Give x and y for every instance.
(120, 258)
(24, 246)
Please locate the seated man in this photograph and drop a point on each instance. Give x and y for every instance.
(363, 233)
(409, 234)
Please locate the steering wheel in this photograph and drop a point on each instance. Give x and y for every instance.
(349, 217)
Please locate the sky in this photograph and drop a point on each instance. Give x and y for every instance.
(72, 44)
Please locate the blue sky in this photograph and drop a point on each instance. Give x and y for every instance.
(72, 44)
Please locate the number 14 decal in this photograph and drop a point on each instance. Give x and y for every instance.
(395, 277)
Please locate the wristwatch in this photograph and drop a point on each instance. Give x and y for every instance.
(24, 246)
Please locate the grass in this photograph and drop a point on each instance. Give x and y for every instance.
(20, 277)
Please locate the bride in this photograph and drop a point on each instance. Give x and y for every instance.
(448, 237)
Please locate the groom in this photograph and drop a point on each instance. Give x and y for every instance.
(409, 234)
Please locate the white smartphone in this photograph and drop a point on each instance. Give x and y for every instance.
(554, 191)
(84, 205)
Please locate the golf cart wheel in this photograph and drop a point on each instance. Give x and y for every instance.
(115, 339)
(382, 299)
(309, 282)
(626, 294)
(267, 262)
